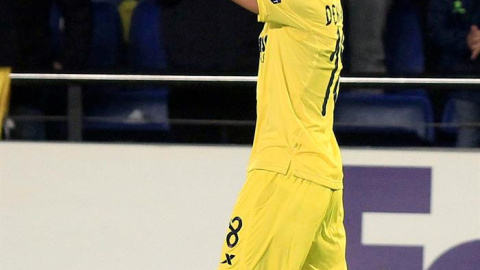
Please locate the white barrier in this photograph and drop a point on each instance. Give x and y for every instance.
(93, 206)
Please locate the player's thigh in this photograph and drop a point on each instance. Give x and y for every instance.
(257, 187)
(274, 222)
(328, 249)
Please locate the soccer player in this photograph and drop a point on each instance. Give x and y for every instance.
(4, 94)
(289, 214)
(8, 53)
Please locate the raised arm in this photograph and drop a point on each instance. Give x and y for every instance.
(250, 5)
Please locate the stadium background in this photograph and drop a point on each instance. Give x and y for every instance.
(183, 37)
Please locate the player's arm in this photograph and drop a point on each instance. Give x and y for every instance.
(297, 14)
(250, 5)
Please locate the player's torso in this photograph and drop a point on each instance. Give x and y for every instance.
(298, 82)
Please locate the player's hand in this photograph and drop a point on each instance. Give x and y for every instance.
(473, 38)
(475, 53)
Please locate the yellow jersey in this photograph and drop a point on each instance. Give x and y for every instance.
(298, 82)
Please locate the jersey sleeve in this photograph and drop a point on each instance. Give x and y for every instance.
(294, 13)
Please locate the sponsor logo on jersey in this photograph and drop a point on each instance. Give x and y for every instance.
(228, 259)
(232, 238)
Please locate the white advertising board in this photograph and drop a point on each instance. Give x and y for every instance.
(119, 207)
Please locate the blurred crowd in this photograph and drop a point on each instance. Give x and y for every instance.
(384, 38)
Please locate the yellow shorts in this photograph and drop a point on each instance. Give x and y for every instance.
(285, 223)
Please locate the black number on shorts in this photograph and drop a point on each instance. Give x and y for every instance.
(232, 236)
(334, 76)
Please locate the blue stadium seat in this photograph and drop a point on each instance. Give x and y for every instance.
(144, 109)
(139, 109)
(107, 49)
(449, 117)
(56, 30)
(135, 109)
(147, 48)
(404, 52)
(384, 120)
(107, 46)
(448, 132)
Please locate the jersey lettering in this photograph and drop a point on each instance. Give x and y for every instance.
(262, 43)
(335, 56)
(262, 46)
(332, 15)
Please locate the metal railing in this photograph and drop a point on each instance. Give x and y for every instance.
(75, 116)
(348, 81)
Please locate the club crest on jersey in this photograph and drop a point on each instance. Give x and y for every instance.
(276, 1)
